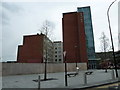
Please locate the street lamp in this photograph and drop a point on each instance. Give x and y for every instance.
(76, 54)
(64, 53)
(112, 38)
(45, 73)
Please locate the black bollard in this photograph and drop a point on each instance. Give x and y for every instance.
(39, 82)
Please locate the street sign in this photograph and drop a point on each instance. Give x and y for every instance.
(64, 53)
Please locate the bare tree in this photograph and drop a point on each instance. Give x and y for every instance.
(46, 29)
(104, 41)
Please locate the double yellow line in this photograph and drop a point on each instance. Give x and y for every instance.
(106, 86)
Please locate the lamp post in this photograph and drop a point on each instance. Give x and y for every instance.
(64, 53)
(45, 73)
(112, 39)
(76, 54)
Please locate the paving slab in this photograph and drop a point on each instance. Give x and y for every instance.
(57, 80)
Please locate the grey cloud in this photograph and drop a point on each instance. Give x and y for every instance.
(5, 22)
(11, 7)
(5, 19)
(4, 15)
(8, 8)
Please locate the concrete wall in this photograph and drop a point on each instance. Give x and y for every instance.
(36, 68)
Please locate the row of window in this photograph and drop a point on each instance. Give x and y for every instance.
(57, 55)
(58, 60)
(81, 18)
(57, 51)
(57, 47)
(58, 44)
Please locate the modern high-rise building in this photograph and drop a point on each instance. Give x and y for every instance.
(92, 63)
(74, 39)
(78, 39)
(88, 31)
(58, 51)
(35, 49)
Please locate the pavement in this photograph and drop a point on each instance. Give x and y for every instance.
(98, 77)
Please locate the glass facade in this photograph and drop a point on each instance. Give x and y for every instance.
(88, 31)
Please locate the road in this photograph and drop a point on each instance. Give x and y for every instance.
(112, 86)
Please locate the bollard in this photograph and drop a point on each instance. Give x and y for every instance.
(85, 78)
(39, 82)
(113, 75)
(77, 70)
(66, 83)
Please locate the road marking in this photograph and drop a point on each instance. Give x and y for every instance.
(106, 86)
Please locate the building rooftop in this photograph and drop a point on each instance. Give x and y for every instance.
(57, 42)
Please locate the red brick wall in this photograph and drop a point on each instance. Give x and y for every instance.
(32, 49)
(74, 38)
(82, 38)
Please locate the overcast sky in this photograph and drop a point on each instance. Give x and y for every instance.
(25, 18)
(119, 25)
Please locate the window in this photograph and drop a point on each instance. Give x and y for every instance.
(59, 55)
(59, 59)
(55, 51)
(59, 47)
(81, 20)
(55, 59)
(81, 15)
(55, 55)
(59, 51)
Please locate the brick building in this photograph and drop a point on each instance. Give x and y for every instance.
(74, 42)
(78, 38)
(35, 49)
